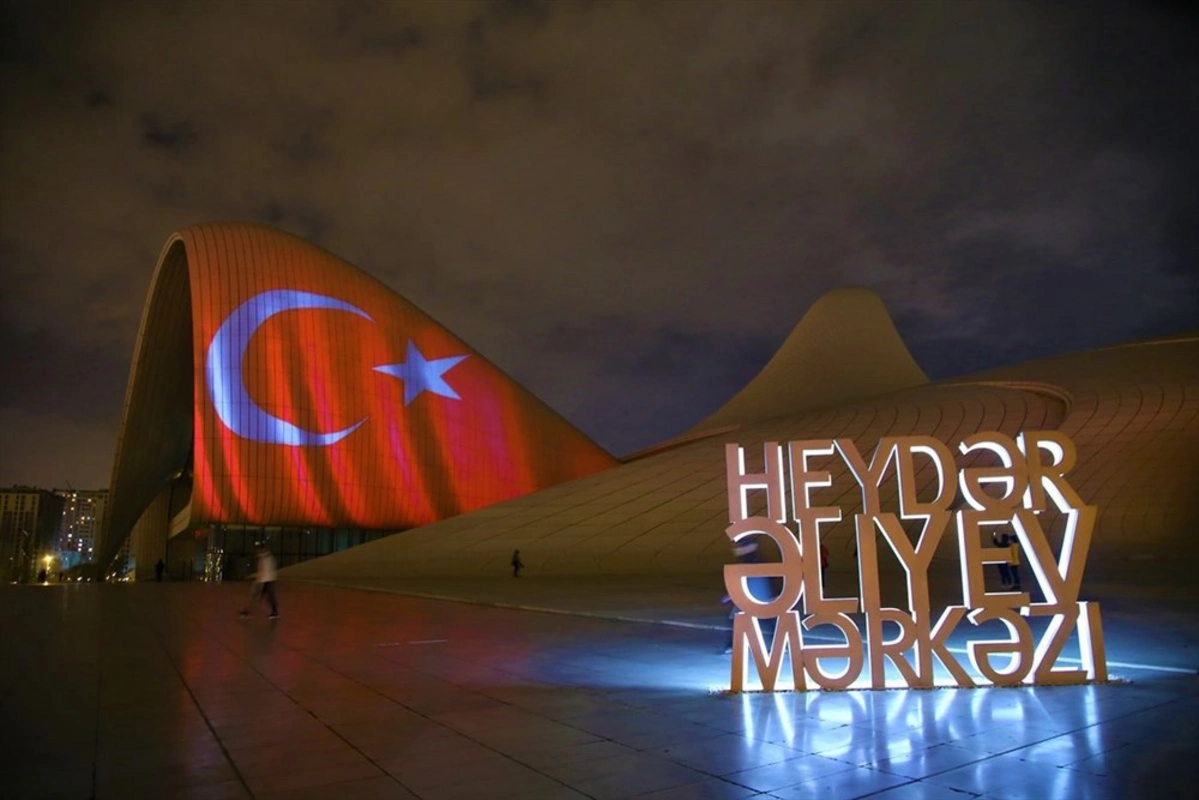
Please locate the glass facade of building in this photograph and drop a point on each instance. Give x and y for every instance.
(227, 552)
(294, 390)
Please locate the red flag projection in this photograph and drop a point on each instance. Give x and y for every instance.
(323, 398)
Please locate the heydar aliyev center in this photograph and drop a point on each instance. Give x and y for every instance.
(278, 393)
(276, 388)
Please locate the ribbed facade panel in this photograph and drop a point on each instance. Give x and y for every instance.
(306, 393)
(1132, 412)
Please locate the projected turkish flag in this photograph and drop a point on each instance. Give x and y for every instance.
(323, 398)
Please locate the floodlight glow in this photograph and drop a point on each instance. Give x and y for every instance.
(1027, 484)
(770, 481)
(790, 569)
(1013, 475)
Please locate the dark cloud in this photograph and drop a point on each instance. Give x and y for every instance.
(301, 218)
(98, 98)
(304, 145)
(629, 374)
(627, 206)
(175, 137)
(490, 78)
(372, 28)
(59, 378)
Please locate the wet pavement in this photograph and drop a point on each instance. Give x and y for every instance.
(161, 691)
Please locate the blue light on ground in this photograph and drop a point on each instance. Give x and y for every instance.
(161, 689)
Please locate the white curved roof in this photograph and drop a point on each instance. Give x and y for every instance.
(1132, 412)
(844, 349)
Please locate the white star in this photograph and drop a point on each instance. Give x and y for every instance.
(422, 375)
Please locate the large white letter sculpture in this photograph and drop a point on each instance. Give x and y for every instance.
(1029, 473)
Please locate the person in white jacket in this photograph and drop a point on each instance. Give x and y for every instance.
(264, 581)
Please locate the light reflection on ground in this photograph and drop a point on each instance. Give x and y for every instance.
(162, 688)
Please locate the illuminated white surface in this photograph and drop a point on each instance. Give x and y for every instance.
(1005, 496)
(741, 483)
(557, 703)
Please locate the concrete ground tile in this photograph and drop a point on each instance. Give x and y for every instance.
(381, 713)
(1093, 788)
(541, 755)
(374, 729)
(1166, 765)
(1070, 748)
(918, 764)
(178, 762)
(332, 714)
(114, 747)
(301, 776)
(625, 775)
(425, 780)
(421, 758)
(50, 781)
(832, 740)
(534, 735)
(229, 790)
(858, 782)
(260, 737)
(787, 773)
(384, 788)
(487, 717)
(1008, 775)
(998, 742)
(248, 721)
(281, 760)
(187, 725)
(520, 788)
(220, 710)
(156, 777)
(920, 790)
(722, 755)
(860, 746)
(551, 691)
(645, 731)
(713, 789)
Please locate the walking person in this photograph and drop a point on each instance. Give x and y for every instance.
(517, 564)
(159, 568)
(1014, 564)
(1009, 571)
(264, 581)
(760, 588)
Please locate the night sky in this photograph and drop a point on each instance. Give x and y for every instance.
(627, 206)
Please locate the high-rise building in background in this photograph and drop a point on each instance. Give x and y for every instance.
(82, 516)
(29, 525)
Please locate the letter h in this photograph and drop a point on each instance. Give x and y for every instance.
(740, 484)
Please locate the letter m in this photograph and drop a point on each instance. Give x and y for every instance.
(748, 641)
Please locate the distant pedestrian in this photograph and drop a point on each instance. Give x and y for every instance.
(760, 588)
(264, 582)
(1009, 571)
(517, 564)
(159, 568)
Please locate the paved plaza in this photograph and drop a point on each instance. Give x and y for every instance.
(161, 691)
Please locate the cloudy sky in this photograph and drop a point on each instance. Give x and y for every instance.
(626, 205)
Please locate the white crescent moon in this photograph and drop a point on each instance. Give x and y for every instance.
(224, 367)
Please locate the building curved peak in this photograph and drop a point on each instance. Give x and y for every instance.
(845, 348)
(293, 389)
